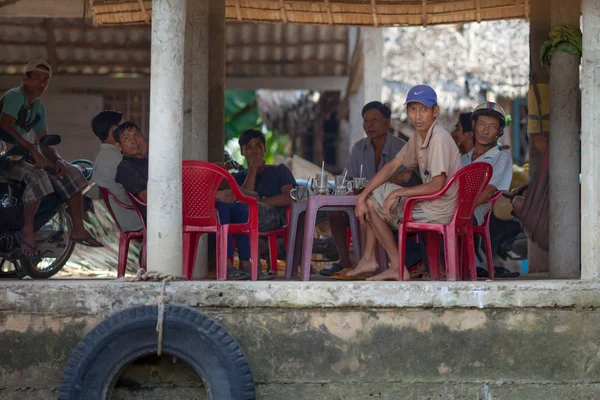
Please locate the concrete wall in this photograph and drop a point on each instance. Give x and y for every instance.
(69, 115)
(322, 340)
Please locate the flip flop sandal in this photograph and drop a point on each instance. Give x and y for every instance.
(35, 256)
(501, 272)
(343, 276)
(482, 273)
(266, 276)
(335, 267)
(87, 241)
(234, 274)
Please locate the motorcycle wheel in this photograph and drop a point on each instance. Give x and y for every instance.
(46, 266)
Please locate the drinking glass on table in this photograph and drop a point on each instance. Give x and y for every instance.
(340, 185)
(299, 194)
(321, 185)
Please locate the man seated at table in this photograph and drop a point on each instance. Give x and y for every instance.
(272, 183)
(488, 122)
(372, 153)
(381, 205)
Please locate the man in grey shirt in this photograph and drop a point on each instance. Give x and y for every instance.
(372, 153)
(105, 168)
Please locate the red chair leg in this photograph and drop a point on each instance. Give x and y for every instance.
(222, 252)
(190, 245)
(487, 241)
(432, 243)
(401, 251)
(273, 253)
(123, 253)
(470, 255)
(451, 252)
(255, 261)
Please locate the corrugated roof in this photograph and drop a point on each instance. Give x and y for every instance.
(251, 49)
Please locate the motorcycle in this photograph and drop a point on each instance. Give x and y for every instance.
(52, 223)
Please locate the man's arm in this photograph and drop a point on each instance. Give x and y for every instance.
(401, 178)
(6, 123)
(143, 195)
(281, 200)
(487, 194)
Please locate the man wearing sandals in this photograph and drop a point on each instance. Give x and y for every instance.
(272, 184)
(21, 112)
(381, 205)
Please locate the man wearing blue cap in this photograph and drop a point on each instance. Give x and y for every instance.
(381, 205)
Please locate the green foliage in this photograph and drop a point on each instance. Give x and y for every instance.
(241, 113)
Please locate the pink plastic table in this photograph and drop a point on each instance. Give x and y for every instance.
(305, 236)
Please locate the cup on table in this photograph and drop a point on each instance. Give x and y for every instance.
(299, 194)
(340, 186)
(358, 185)
(321, 185)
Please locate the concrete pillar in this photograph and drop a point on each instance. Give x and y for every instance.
(564, 224)
(370, 44)
(196, 104)
(196, 70)
(590, 142)
(166, 134)
(539, 27)
(216, 83)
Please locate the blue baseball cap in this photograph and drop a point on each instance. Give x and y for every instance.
(422, 94)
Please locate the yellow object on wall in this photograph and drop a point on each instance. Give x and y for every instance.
(533, 118)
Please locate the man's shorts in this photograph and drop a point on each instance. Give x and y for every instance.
(39, 183)
(397, 213)
(270, 217)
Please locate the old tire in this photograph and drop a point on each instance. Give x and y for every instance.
(193, 337)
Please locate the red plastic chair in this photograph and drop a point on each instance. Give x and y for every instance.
(200, 184)
(484, 230)
(272, 235)
(471, 180)
(125, 237)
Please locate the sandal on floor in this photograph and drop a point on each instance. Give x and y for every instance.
(343, 276)
(266, 276)
(501, 272)
(234, 274)
(482, 273)
(335, 267)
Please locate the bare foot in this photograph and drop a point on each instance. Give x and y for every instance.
(389, 274)
(28, 242)
(364, 267)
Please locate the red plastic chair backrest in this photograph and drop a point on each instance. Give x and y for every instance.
(472, 179)
(200, 184)
(136, 206)
(107, 196)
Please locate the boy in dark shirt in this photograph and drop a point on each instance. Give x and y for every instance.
(273, 183)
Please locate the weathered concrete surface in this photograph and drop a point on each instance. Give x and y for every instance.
(590, 142)
(482, 340)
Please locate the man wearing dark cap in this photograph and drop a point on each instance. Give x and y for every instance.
(372, 153)
(22, 112)
(381, 205)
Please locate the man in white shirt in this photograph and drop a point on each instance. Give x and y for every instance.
(105, 168)
(488, 124)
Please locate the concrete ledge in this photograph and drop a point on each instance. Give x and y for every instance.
(101, 298)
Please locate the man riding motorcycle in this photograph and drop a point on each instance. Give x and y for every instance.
(21, 111)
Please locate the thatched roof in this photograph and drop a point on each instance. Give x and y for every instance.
(463, 63)
(376, 13)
